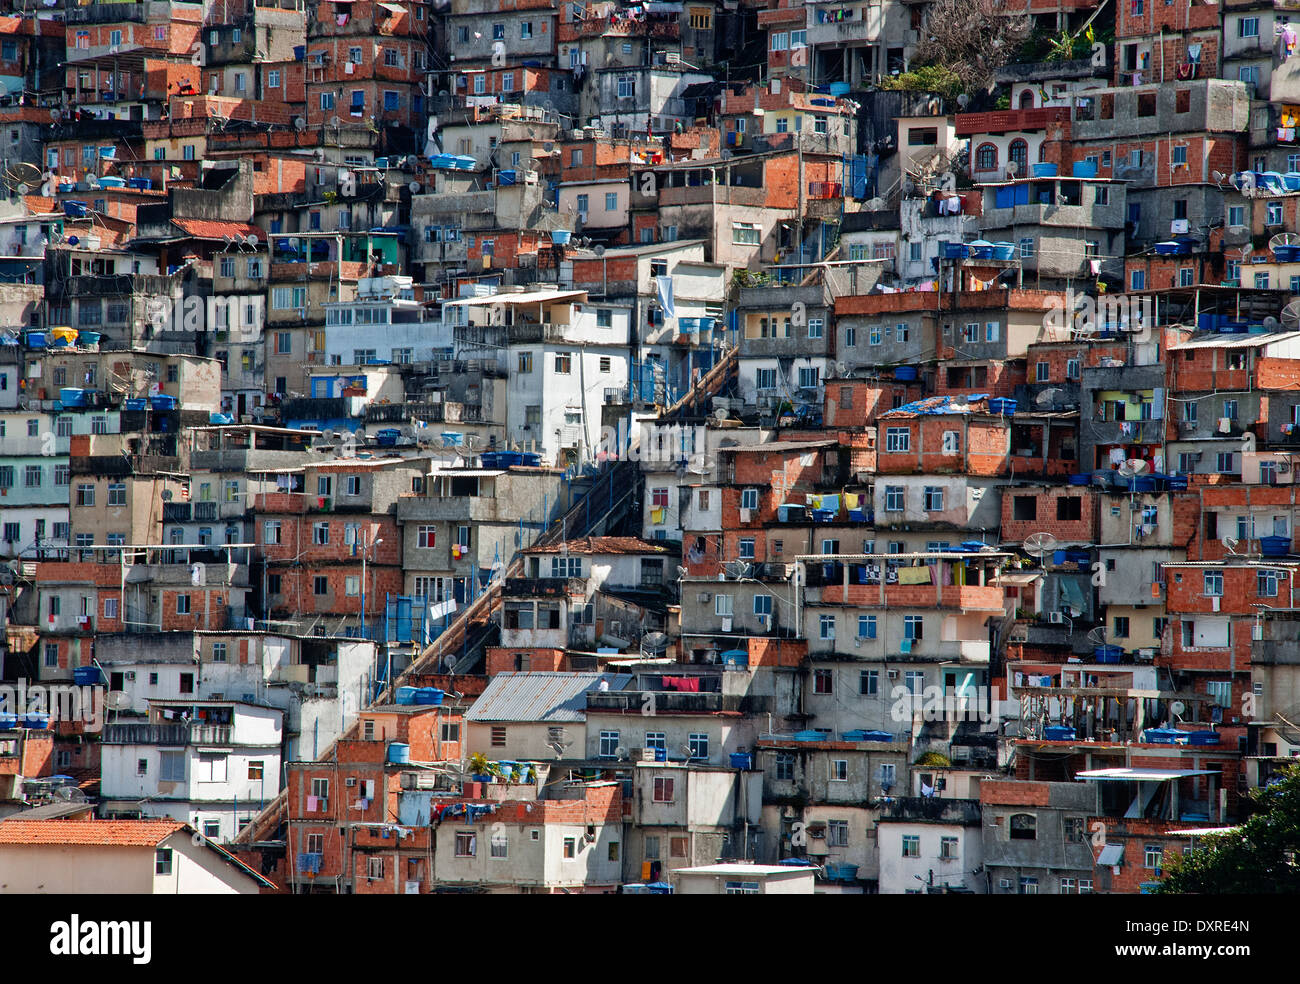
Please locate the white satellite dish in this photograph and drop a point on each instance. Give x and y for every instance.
(1290, 316)
(335, 121)
(720, 414)
(963, 101)
(1013, 168)
(414, 187)
(299, 123)
(1229, 543)
(876, 205)
(1040, 544)
(1048, 396)
(1131, 467)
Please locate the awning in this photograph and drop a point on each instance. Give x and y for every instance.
(1143, 775)
(1111, 855)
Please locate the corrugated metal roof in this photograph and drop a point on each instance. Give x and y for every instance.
(540, 696)
(778, 446)
(521, 297)
(1235, 341)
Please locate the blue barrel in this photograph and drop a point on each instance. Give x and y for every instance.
(399, 753)
(431, 696)
(406, 695)
(1043, 170)
(163, 402)
(742, 760)
(1057, 733)
(905, 373)
(661, 755)
(1106, 654)
(36, 722)
(8, 721)
(86, 676)
(72, 397)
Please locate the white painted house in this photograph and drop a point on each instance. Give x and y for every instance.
(213, 764)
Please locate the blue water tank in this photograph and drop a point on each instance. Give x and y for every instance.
(406, 695)
(429, 695)
(8, 721)
(742, 760)
(37, 722)
(661, 755)
(86, 676)
(398, 753)
(1057, 733)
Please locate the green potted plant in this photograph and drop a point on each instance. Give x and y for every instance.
(480, 768)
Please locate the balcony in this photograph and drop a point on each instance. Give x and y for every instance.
(168, 734)
(966, 597)
(474, 509)
(1010, 120)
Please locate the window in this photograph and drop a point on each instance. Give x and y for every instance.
(499, 845)
(1152, 855)
(826, 627)
(986, 157)
(663, 791)
(564, 363)
(1121, 627)
(868, 682)
(1213, 584)
(1248, 27)
(698, 744)
(1023, 826)
(162, 861)
(626, 86)
(466, 844)
(320, 585)
(933, 498)
(745, 233)
(1138, 280)
(498, 736)
(722, 605)
(866, 626)
(747, 548)
(911, 845)
(913, 626)
(894, 498)
(948, 850)
(839, 770)
(749, 499)
(608, 744)
(898, 439)
(823, 681)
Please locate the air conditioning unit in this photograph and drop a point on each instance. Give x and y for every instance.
(1179, 227)
(1056, 618)
(350, 781)
(1004, 883)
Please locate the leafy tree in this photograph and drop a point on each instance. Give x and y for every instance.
(927, 78)
(1259, 857)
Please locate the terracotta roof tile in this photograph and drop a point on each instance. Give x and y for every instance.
(204, 229)
(109, 833)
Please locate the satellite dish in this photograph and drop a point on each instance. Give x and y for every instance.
(335, 121)
(166, 495)
(738, 569)
(654, 640)
(118, 700)
(841, 370)
(1290, 316)
(598, 250)
(1097, 636)
(1229, 543)
(1040, 544)
(251, 240)
(299, 123)
(92, 181)
(1048, 396)
(1284, 239)
(963, 101)
(1271, 323)
(1218, 177)
(681, 572)
(21, 176)
(1013, 168)
(720, 414)
(1177, 709)
(54, 115)
(876, 205)
(414, 187)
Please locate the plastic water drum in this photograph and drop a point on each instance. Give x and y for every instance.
(86, 676)
(742, 760)
(399, 753)
(406, 695)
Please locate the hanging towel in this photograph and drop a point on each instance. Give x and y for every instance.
(311, 804)
(657, 515)
(851, 500)
(1117, 456)
(830, 503)
(914, 575)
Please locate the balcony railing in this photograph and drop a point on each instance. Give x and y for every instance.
(168, 734)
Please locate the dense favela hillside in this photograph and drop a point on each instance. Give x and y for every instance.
(643, 447)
